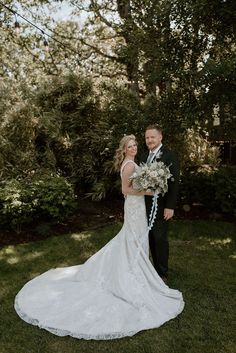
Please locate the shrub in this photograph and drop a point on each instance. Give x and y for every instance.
(225, 189)
(198, 151)
(41, 196)
(15, 207)
(53, 196)
(213, 189)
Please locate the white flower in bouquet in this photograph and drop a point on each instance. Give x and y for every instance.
(152, 177)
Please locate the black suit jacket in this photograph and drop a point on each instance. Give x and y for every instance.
(170, 198)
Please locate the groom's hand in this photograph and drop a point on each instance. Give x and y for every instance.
(168, 213)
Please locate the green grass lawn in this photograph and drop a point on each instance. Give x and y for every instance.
(202, 266)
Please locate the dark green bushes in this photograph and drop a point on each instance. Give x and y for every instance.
(225, 189)
(68, 127)
(215, 190)
(49, 197)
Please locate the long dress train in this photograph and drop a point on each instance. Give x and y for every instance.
(115, 293)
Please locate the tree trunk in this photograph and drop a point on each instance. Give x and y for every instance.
(131, 61)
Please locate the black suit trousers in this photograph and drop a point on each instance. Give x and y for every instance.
(158, 240)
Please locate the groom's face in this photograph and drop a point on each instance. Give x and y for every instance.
(153, 139)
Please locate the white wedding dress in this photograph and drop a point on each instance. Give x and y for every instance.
(115, 293)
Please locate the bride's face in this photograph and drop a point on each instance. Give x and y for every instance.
(131, 149)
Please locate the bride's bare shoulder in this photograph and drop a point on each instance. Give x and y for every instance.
(127, 166)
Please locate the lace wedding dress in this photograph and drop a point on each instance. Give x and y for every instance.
(115, 293)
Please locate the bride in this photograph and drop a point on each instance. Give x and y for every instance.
(116, 292)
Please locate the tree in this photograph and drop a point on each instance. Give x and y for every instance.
(171, 62)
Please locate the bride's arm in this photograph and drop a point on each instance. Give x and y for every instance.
(127, 188)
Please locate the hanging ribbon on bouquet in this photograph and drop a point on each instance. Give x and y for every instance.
(153, 212)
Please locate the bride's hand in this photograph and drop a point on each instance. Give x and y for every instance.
(149, 193)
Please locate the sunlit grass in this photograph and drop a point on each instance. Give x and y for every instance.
(202, 266)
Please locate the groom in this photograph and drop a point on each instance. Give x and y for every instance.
(158, 240)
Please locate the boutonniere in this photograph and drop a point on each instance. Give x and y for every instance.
(158, 155)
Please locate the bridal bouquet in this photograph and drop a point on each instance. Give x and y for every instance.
(152, 177)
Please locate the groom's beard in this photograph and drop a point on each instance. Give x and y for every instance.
(151, 147)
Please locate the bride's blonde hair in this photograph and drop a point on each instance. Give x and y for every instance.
(120, 152)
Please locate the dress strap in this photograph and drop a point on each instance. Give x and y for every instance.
(123, 165)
